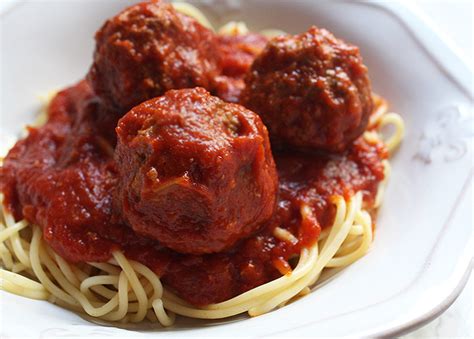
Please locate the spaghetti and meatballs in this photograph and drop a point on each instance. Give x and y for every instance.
(154, 188)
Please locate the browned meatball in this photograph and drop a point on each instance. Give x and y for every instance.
(148, 49)
(311, 91)
(196, 173)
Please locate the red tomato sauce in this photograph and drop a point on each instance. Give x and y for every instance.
(62, 177)
(237, 53)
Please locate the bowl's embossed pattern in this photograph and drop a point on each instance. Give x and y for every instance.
(447, 136)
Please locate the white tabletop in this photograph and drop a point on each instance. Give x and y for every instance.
(454, 18)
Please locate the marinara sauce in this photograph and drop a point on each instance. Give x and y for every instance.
(63, 177)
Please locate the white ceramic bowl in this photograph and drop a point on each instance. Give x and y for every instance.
(422, 251)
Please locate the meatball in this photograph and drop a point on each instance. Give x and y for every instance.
(196, 173)
(148, 49)
(311, 90)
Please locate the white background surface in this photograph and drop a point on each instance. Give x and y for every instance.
(454, 18)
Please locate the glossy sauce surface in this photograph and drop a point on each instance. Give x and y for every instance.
(63, 178)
